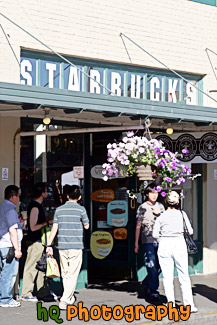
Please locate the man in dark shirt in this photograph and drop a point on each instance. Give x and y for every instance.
(36, 221)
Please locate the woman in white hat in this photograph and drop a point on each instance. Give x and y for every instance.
(173, 250)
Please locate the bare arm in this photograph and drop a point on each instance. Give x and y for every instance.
(34, 219)
(14, 239)
(137, 234)
(53, 232)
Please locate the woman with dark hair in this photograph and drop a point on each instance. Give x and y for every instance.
(147, 213)
(172, 250)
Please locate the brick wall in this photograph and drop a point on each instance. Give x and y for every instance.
(176, 32)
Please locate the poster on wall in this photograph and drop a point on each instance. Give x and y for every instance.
(117, 213)
(101, 244)
(4, 174)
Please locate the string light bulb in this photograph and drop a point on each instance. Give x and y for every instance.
(169, 131)
(46, 119)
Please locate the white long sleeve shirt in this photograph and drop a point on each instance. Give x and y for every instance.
(170, 224)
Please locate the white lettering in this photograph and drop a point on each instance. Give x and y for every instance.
(191, 95)
(135, 86)
(172, 90)
(73, 83)
(26, 65)
(155, 83)
(94, 86)
(51, 67)
(116, 83)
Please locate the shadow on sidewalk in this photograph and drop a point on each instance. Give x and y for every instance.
(127, 286)
(204, 290)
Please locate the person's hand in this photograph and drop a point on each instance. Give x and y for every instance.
(136, 248)
(21, 218)
(50, 221)
(49, 251)
(18, 253)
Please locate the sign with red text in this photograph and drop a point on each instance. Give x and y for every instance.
(78, 172)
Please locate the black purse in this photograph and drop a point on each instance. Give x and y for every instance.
(191, 246)
(10, 255)
(41, 264)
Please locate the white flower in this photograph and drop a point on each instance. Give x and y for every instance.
(141, 150)
(109, 146)
(129, 146)
(105, 178)
(127, 162)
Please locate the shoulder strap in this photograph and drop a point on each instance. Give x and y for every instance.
(184, 223)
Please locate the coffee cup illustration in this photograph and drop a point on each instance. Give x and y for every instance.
(101, 244)
(117, 212)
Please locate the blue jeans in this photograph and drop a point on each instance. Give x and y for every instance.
(151, 281)
(7, 277)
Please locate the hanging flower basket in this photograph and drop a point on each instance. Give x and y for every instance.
(126, 157)
(144, 172)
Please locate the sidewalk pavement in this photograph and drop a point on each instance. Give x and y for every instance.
(123, 293)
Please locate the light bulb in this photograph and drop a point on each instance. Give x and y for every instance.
(46, 120)
(169, 131)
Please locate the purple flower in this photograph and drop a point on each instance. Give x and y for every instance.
(186, 151)
(130, 134)
(168, 179)
(163, 194)
(182, 195)
(110, 172)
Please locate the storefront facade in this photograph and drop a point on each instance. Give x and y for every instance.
(99, 96)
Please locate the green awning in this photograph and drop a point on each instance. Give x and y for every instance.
(17, 94)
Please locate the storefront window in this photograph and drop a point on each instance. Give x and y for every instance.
(49, 159)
